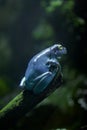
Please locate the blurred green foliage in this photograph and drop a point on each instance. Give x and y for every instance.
(27, 27)
(43, 31)
(5, 52)
(4, 89)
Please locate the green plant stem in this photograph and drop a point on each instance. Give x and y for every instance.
(23, 103)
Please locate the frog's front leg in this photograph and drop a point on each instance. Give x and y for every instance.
(53, 65)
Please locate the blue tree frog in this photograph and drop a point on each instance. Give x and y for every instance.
(42, 69)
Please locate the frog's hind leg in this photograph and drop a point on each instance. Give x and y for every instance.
(42, 82)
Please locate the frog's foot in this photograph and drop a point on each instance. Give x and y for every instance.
(22, 83)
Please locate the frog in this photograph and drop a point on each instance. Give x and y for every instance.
(42, 69)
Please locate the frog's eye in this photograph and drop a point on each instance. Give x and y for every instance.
(60, 47)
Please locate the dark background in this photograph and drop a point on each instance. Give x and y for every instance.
(27, 27)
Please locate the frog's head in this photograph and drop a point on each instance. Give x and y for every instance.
(58, 50)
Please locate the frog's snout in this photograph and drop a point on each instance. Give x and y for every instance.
(61, 51)
(64, 50)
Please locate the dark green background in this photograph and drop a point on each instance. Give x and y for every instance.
(27, 27)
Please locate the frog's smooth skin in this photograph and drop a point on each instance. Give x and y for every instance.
(42, 68)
